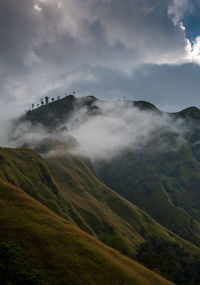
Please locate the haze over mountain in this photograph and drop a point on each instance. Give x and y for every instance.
(119, 124)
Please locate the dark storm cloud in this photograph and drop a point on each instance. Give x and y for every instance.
(48, 46)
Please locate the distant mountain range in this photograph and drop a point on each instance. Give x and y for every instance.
(87, 220)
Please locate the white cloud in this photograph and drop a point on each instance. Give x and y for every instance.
(177, 10)
(182, 27)
(120, 126)
(37, 7)
(193, 50)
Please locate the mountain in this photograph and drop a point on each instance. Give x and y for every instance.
(115, 221)
(65, 189)
(143, 168)
(154, 216)
(57, 248)
(191, 117)
(66, 185)
(140, 184)
(55, 113)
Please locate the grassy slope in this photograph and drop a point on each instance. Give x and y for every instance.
(53, 114)
(25, 169)
(180, 175)
(138, 183)
(96, 202)
(79, 196)
(64, 253)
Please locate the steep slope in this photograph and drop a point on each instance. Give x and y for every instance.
(65, 254)
(54, 114)
(96, 202)
(77, 195)
(162, 181)
(61, 111)
(191, 117)
(25, 169)
(70, 188)
(136, 181)
(180, 175)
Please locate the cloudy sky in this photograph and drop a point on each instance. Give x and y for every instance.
(138, 49)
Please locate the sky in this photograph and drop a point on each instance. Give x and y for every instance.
(113, 49)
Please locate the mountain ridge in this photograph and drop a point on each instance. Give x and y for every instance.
(145, 176)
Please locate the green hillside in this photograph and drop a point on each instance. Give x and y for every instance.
(191, 117)
(140, 184)
(163, 182)
(144, 172)
(80, 198)
(63, 253)
(180, 175)
(70, 188)
(25, 169)
(169, 255)
(113, 219)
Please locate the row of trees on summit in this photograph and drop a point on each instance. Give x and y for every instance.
(46, 100)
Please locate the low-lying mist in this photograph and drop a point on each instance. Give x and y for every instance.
(108, 129)
(121, 125)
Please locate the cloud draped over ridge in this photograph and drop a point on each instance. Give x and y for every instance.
(122, 126)
(49, 45)
(117, 126)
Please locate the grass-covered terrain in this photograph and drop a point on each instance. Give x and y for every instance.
(26, 170)
(62, 252)
(178, 182)
(163, 182)
(136, 181)
(179, 173)
(67, 186)
(113, 219)
(80, 199)
(170, 260)
(14, 267)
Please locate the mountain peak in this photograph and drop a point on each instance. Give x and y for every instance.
(190, 113)
(145, 106)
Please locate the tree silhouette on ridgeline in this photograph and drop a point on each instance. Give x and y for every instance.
(46, 100)
(42, 101)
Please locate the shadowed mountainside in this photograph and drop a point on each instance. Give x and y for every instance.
(164, 182)
(83, 200)
(140, 184)
(65, 254)
(70, 189)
